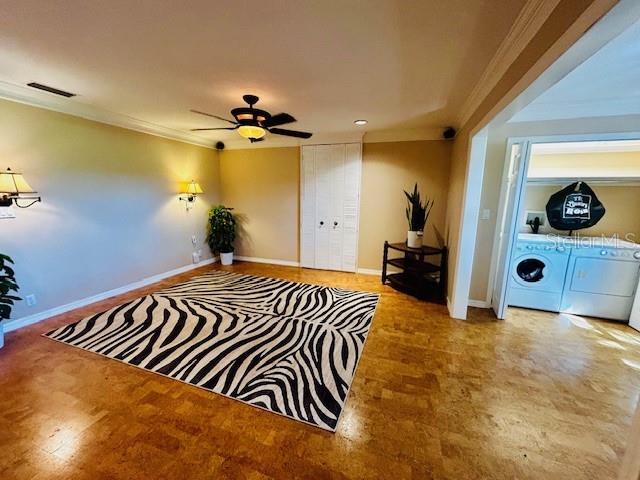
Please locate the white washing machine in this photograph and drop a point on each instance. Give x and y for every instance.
(602, 277)
(537, 272)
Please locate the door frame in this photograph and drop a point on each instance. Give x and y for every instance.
(504, 237)
(511, 218)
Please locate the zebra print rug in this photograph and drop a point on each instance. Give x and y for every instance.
(287, 347)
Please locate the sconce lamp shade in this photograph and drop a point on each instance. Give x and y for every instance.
(13, 188)
(12, 183)
(193, 188)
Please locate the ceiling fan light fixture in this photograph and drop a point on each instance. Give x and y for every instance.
(360, 122)
(251, 131)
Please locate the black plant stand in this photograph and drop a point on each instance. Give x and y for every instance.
(419, 277)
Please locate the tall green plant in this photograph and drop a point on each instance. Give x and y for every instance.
(7, 285)
(417, 212)
(222, 229)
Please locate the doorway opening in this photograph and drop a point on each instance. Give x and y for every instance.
(569, 236)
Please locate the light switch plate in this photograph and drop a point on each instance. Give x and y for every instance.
(7, 212)
(485, 214)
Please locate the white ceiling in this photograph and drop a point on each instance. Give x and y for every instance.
(607, 84)
(400, 64)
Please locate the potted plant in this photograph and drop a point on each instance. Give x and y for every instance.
(222, 233)
(417, 216)
(7, 285)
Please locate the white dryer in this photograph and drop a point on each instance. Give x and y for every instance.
(537, 272)
(602, 278)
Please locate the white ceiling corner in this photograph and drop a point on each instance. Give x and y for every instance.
(531, 17)
(606, 84)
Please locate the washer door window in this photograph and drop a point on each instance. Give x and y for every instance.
(531, 271)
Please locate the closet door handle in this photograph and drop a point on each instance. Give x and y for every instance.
(321, 223)
(335, 224)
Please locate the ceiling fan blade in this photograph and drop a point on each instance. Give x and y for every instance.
(290, 133)
(254, 140)
(212, 116)
(279, 119)
(206, 129)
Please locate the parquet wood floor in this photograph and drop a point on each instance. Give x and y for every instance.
(538, 396)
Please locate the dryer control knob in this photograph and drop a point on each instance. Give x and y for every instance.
(560, 249)
(603, 252)
(636, 255)
(529, 247)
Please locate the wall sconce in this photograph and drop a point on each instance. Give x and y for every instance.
(13, 188)
(191, 191)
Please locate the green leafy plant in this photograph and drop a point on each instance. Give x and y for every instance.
(417, 212)
(7, 285)
(222, 229)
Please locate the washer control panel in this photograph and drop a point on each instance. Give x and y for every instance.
(540, 248)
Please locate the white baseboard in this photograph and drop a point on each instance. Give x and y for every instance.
(273, 261)
(37, 317)
(479, 303)
(370, 271)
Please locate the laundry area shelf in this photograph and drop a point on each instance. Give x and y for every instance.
(418, 277)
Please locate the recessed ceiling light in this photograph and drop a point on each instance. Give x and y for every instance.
(360, 122)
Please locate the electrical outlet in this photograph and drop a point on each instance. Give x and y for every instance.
(194, 239)
(196, 257)
(7, 212)
(485, 214)
(31, 300)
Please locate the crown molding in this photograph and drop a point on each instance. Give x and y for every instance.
(532, 16)
(71, 106)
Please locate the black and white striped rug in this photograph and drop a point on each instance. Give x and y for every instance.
(287, 347)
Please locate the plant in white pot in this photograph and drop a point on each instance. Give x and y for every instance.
(222, 233)
(7, 286)
(417, 216)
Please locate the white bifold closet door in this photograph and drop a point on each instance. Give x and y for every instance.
(330, 204)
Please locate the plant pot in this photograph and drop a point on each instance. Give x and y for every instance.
(414, 239)
(226, 258)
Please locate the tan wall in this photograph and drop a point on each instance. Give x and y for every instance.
(262, 185)
(110, 214)
(389, 168)
(622, 204)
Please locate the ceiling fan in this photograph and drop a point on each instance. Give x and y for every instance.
(253, 123)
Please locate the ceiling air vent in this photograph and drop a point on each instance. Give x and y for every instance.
(49, 89)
